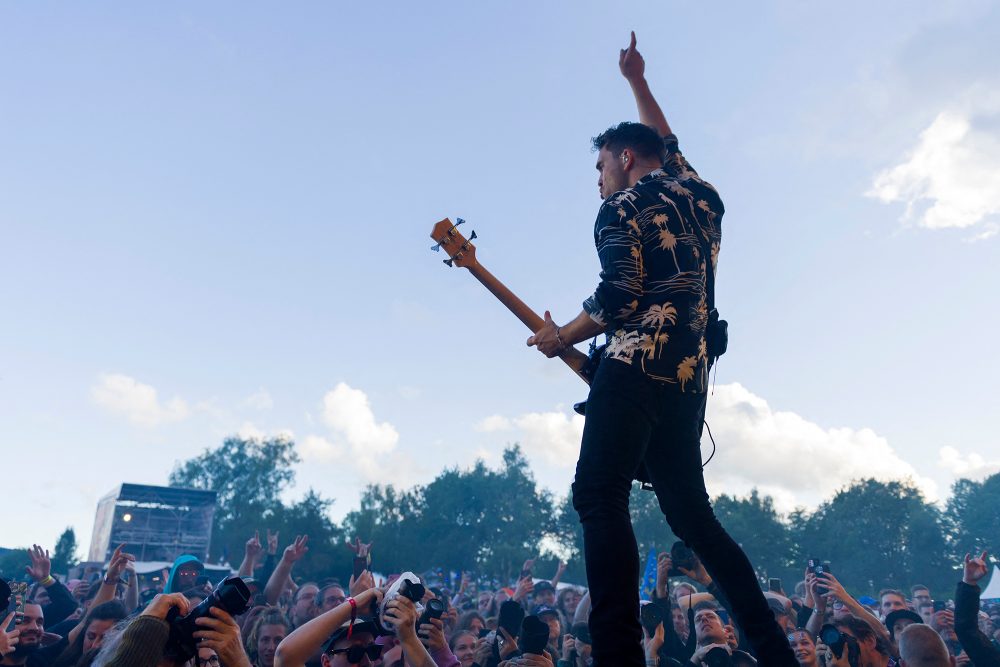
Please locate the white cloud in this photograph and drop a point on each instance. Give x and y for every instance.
(138, 402)
(553, 436)
(784, 455)
(317, 449)
(971, 466)
(951, 178)
(494, 423)
(348, 414)
(259, 400)
(250, 431)
(789, 457)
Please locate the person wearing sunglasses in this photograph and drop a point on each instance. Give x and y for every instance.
(346, 634)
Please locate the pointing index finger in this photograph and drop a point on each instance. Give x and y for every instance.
(631, 45)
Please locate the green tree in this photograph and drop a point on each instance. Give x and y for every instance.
(328, 554)
(13, 562)
(973, 516)
(483, 520)
(764, 537)
(249, 476)
(64, 555)
(880, 534)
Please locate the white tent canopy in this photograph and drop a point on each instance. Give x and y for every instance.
(992, 590)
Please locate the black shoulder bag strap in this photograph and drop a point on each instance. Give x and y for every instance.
(717, 330)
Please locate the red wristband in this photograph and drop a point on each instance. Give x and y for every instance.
(354, 616)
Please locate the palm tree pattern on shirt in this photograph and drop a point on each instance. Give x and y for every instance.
(652, 299)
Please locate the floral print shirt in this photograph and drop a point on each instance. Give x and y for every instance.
(652, 298)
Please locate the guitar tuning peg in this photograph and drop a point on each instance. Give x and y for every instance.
(459, 222)
(473, 235)
(436, 247)
(447, 261)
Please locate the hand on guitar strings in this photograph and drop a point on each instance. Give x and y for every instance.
(547, 339)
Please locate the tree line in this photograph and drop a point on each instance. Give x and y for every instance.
(488, 520)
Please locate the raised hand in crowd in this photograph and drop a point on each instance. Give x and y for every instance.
(164, 602)
(41, 567)
(402, 615)
(120, 561)
(699, 655)
(251, 551)
(663, 564)
(828, 659)
(568, 647)
(297, 549)
(360, 549)
(484, 649)
(220, 633)
(272, 542)
(432, 635)
(654, 643)
(509, 646)
(560, 571)
(118, 564)
(358, 586)
(524, 588)
(697, 573)
(80, 591)
(8, 640)
(279, 579)
(974, 569)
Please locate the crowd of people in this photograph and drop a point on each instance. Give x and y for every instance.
(430, 621)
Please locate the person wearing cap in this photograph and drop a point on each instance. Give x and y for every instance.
(346, 634)
(899, 619)
(550, 616)
(544, 593)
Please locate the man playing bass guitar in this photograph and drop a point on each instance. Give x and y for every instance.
(657, 234)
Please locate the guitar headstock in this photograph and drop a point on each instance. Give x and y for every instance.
(459, 249)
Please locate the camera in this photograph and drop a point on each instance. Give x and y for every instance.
(581, 632)
(232, 596)
(408, 586)
(434, 609)
(837, 640)
(681, 557)
(651, 617)
(718, 657)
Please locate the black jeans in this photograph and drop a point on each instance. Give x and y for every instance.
(632, 419)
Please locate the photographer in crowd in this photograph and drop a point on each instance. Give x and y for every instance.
(346, 634)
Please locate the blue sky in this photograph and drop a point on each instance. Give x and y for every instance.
(215, 219)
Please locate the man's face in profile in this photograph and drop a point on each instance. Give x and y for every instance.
(611, 172)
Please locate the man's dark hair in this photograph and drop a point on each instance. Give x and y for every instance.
(642, 139)
(863, 632)
(918, 587)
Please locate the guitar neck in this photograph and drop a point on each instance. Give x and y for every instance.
(572, 357)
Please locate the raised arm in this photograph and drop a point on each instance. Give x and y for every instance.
(303, 643)
(633, 68)
(250, 553)
(276, 583)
